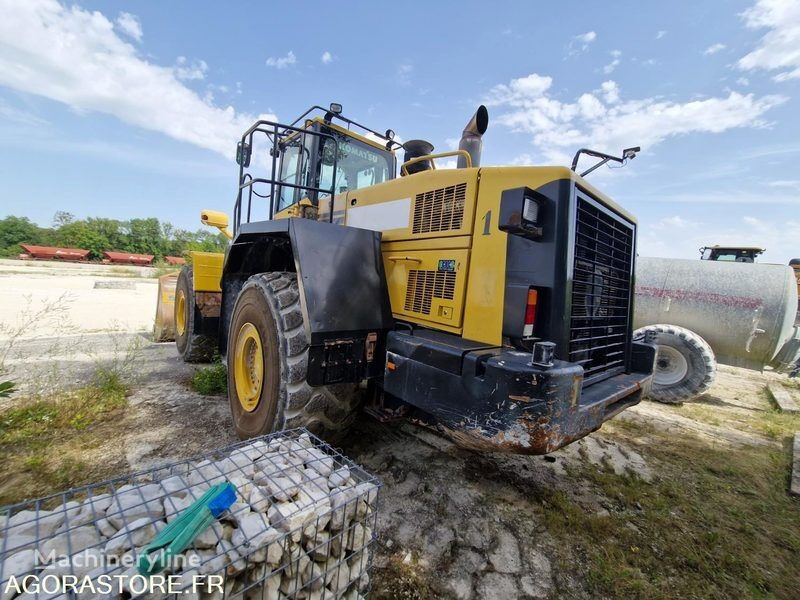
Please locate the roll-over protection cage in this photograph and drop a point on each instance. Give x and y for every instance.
(277, 134)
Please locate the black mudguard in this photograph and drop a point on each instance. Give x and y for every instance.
(342, 286)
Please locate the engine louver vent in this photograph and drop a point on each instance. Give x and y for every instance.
(424, 286)
(439, 210)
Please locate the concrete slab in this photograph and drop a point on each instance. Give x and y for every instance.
(782, 398)
(794, 485)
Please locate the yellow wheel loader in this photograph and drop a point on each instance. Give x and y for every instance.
(494, 304)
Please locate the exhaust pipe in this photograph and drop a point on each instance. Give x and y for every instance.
(471, 137)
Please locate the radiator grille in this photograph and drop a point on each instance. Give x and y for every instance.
(424, 286)
(601, 291)
(439, 210)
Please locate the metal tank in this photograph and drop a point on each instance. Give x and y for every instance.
(746, 312)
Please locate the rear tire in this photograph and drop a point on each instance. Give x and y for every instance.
(267, 336)
(192, 347)
(685, 364)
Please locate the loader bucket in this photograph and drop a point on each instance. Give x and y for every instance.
(164, 327)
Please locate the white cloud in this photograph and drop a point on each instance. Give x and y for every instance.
(129, 25)
(610, 67)
(73, 56)
(610, 91)
(714, 48)
(403, 74)
(282, 62)
(674, 222)
(661, 34)
(326, 58)
(581, 42)
(186, 70)
(601, 120)
(743, 81)
(785, 183)
(779, 48)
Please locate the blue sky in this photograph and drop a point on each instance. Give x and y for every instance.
(132, 109)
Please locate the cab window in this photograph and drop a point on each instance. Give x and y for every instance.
(290, 159)
(357, 164)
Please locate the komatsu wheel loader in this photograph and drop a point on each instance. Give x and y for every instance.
(494, 304)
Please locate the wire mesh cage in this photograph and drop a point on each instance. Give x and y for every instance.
(302, 526)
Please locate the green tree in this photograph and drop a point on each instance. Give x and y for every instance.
(62, 218)
(82, 235)
(144, 237)
(109, 229)
(15, 231)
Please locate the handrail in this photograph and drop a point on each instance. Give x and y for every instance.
(276, 132)
(431, 157)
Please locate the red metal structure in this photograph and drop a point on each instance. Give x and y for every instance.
(127, 258)
(52, 253)
(175, 260)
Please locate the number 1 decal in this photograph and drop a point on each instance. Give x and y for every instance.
(487, 219)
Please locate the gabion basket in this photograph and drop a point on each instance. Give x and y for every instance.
(302, 526)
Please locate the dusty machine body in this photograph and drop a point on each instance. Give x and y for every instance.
(744, 313)
(493, 303)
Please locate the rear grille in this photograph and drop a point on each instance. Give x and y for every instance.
(601, 290)
(439, 210)
(423, 286)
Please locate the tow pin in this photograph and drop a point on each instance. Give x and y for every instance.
(543, 354)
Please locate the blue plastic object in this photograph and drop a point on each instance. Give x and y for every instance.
(179, 534)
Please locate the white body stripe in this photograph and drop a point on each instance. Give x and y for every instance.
(381, 217)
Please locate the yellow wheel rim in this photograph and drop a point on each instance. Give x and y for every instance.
(248, 367)
(180, 312)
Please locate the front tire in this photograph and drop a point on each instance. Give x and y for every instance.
(193, 347)
(267, 362)
(685, 364)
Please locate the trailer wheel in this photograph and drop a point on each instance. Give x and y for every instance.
(685, 364)
(267, 362)
(192, 347)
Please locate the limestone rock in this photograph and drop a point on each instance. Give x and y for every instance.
(139, 533)
(131, 503)
(25, 523)
(283, 489)
(210, 536)
(105, 528)
(175, 486)
(17, 565)
(69, 542)
(505, 557)
(258, 500)
(339, 477)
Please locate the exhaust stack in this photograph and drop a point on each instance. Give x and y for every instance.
(471, 137)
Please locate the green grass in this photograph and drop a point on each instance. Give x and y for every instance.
(43, 439)
(210, 381)
(715, 522)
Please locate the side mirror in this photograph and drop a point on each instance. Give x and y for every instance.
(243, 152)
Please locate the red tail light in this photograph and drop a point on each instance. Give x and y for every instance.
(530, 313)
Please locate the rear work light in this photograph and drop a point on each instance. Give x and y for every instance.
(530, 313)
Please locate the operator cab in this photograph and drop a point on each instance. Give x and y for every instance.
(312, 159)
(307, 161)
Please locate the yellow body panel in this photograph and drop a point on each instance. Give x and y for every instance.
(207, 271)
(419, 290)
(399, 198)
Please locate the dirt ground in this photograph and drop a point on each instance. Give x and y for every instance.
(454, 523)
